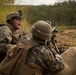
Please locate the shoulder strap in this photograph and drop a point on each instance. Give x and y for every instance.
(27, 45)
(9, 62)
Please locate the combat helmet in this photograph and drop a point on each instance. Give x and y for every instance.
(42, 30)
(14, 14)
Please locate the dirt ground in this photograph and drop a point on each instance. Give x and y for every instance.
(67, 38)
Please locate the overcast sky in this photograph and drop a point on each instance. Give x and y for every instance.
(37, 2)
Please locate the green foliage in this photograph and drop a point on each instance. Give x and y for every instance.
(6, 2)
(59, 13)
(6, 9)
(62, 28)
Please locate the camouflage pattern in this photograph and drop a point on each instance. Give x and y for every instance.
(8, 34)
(5, 34)
(38, 57)
(41, 54)
(7, 37)
(12, 14)
(42, 30)
(31, 57)
(44, 57)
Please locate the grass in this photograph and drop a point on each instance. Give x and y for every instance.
(6, 10)
(25, 25)
(61, 28)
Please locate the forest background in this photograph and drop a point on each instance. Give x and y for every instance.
(60, 14)
(63, 15)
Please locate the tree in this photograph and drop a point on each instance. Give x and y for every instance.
(6, 2)
(60, 13)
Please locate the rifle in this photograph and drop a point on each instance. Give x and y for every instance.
(53, 38)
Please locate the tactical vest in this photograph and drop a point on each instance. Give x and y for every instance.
(18, 61)
(21, 68)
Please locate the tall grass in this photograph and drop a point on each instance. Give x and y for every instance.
(25, 26)
(61, 28)
(5, 10)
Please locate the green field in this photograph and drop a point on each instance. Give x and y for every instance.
(62, 28)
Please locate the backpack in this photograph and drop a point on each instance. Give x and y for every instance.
(12, 58)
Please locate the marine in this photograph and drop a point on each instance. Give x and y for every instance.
(8, 32)
(33, 56)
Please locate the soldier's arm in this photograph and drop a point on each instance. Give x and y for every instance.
(5, 35)
(57, 64)
(5, 40)
(53, 61)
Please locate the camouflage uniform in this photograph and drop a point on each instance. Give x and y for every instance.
(44, 57)
(41, 54)
(7, 35)
(7, 38)
(36, 57)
